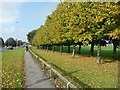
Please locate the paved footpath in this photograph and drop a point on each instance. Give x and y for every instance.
(35, 78)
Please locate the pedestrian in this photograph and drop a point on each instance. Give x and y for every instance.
(26, 48)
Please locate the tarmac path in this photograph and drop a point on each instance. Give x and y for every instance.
(35, 78)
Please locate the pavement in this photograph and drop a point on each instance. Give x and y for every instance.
(35, 78)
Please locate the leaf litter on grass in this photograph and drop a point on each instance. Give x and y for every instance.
(82, 70)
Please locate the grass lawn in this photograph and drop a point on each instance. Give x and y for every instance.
(13, 69)
(82, 70)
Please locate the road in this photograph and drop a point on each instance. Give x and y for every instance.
(3, 50)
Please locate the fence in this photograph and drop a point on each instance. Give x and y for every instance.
(56, 78)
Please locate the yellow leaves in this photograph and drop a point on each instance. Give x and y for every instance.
(77, 19)
(102, 29)
(114, 12)
(12, 78)
(101, 19)
(115, 33)
(111, 12)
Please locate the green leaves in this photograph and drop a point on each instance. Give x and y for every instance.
(79, 22)
(30, 35)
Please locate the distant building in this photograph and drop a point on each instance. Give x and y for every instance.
(26, 43)
(111, 44)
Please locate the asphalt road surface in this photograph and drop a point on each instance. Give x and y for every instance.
(3, 50)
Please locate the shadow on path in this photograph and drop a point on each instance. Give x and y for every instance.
(41, 80)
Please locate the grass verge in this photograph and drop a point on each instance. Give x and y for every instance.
(82, 71)
(13, 69)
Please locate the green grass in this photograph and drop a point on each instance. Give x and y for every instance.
(13, 69)
(0, 71)
(82, 70)
(106, 52)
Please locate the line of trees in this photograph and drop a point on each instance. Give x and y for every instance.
(80, 23)
(1, 42)
(10, 42)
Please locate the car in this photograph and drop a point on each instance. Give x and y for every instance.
(10, 47)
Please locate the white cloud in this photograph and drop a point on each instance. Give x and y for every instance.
(9, 30)
(8, 12)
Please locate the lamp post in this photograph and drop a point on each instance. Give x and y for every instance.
(16, 37)
(60, 1)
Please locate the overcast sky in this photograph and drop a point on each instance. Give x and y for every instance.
(29, 15)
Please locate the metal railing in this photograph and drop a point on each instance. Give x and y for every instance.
(55, 77)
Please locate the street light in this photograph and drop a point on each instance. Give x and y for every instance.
(60, 0)
(16, 37)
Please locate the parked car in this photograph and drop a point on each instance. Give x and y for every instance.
(10, 47)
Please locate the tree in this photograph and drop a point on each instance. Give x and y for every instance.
(80, 22)
(30, 35)
(10, 42)
(92, 48)
(1, 42)
(20, 43)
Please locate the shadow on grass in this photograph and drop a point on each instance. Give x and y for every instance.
(69, 74)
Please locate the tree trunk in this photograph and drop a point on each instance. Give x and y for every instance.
(37, 47)
(73, 54)
(47, 48)
(99, 54)
(61, 48)
(53, 48)
(79, 49)
(119, 53)
(114, 50)
(92, 49)
(68, 48)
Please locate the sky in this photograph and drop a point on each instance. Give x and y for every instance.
(17, 19)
